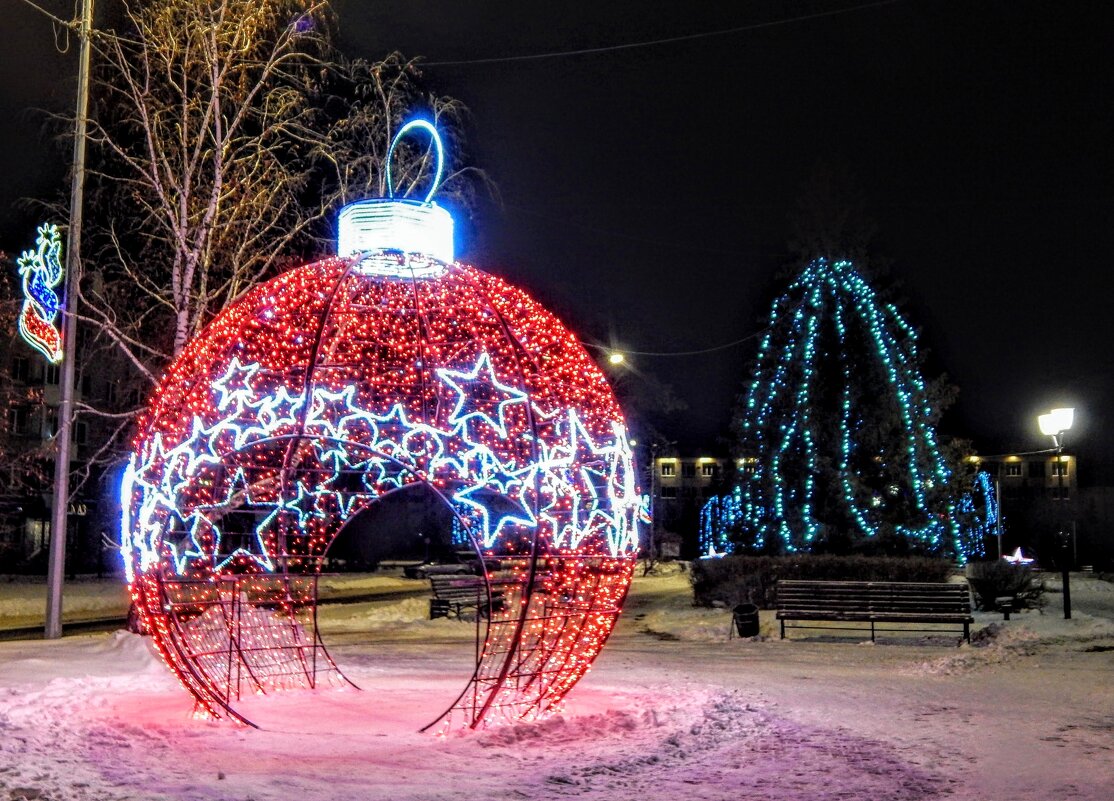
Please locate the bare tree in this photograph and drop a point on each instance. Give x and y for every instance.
(228, 132)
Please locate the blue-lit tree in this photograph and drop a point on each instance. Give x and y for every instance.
(840, 429)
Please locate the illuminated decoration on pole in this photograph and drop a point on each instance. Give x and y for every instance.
(329, 388)
(839, 424)
(41, 271)
(1018, 558)
(719, 519)
(979, 515)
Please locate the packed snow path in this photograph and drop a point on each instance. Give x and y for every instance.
(672, 710)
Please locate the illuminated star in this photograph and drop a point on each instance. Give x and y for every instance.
(304, 506)
(271, 414)
(331, 411)
(235, 385)
(480, 396)
(499, 490)
(1017, 558)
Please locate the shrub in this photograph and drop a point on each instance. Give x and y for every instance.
(1001, 579)
(734, 580)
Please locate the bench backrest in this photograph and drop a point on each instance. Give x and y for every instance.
(457, 587)
(875, 596)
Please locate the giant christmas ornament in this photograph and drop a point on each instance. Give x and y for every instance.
(320, 392)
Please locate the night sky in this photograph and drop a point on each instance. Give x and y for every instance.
(646, 190)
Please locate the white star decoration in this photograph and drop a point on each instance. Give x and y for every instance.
(474, 391)
(572, 483)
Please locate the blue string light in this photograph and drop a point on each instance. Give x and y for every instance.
(835, 355)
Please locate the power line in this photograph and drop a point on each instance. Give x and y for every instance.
(701, 351)
(656, 42)
(981, 457)
(43, 11)
(712, 349)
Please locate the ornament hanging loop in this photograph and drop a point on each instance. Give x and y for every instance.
(435, 139)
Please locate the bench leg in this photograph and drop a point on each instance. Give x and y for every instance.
(872, 631)
(967, 632)
(782, 629)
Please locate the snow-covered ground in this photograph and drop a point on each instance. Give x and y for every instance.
(673, 709)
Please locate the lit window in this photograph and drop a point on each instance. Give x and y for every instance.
(708, 469)
(1060, 469)
(668, 469)
(1013, 469)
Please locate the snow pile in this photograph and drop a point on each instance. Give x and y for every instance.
(1025, 635)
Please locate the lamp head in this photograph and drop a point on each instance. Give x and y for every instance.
(1056, 421)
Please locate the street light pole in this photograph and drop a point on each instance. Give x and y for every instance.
(60, 511)
(1055, 424)
(998, 515)
(653, 498)
(1065, 564)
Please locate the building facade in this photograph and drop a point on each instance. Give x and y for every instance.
(680, 487)
(30, 397)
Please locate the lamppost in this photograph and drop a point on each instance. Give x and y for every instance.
(1054, 424)
(653, 500)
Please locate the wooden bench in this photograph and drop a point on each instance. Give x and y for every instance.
(874, 602)
(453, 594)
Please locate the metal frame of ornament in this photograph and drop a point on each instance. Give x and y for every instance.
(341, 382)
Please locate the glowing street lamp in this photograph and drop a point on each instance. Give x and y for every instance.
(616, 358)
(1055, 424)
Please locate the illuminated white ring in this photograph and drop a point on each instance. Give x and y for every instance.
(438, 148)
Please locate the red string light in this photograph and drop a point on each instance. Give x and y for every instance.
(326, 389)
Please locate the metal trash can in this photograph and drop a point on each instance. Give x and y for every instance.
(745, 617)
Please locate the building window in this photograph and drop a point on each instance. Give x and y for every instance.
(19, 419)
(80, 432)
(21, 369)
(669, 492)
(1059, 469)
(52, 374)
(708, 469)
(668, 469)
(1013, 469)
(1036, 470)
(688, 470)
(993, 468)
(87, 385)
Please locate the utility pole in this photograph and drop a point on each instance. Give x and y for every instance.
(59, 513)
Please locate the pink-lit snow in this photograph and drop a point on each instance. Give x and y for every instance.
(673, 709)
